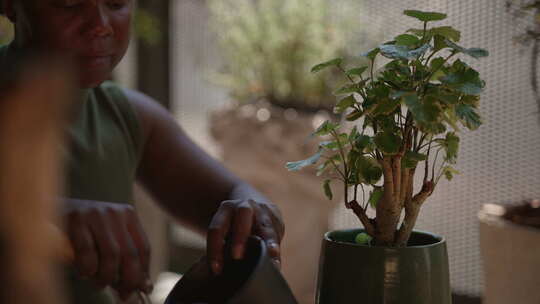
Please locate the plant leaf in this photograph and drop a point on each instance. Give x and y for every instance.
(447, 32)
(357, 71)
(407, 40)
(350, 88)
(369, 169)
(327, 189)
(388, 142)
(411, 159)
(449, 172)
(375, 196)
(394, 51)
(473, 52)
(371, 54)
(297, 165)
(324, 65)
(354, 115)
(425, 16)
(451, 145)
(344, 104)
(468, 116)
(325, 128)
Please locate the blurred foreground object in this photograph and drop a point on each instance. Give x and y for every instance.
(510, 245)
(32, 113)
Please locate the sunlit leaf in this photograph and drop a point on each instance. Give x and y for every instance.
(425, 16)
(324, 65)
(297, 165)
(344, 104)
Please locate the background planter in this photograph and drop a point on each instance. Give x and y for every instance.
(351, 273)
(255, 143)
(511, 258)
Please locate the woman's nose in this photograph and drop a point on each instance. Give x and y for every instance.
(99, 22)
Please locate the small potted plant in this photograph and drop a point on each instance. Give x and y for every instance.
(405, 119)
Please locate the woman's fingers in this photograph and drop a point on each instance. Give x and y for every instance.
(235, 221)
(241, 229)
(217, 232)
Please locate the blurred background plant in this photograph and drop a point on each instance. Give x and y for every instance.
(267, 46)
(529, 10)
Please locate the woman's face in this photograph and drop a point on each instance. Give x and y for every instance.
(93, 33)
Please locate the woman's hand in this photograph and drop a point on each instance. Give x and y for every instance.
(110, 245)
(237, 220)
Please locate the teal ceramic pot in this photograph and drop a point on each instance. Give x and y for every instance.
(351, 273)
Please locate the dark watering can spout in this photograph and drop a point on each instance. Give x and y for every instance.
(254, 280)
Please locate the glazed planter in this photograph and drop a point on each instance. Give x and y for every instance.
(511, 258)
(353, 273)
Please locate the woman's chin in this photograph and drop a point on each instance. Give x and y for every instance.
(92, 81)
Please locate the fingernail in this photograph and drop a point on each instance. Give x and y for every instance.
(216, 267)
(238, 252)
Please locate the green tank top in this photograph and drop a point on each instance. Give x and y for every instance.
(101, 158)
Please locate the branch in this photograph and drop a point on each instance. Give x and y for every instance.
(361, 214)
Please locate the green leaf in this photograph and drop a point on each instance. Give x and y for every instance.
(371, 54)
(447, 32)
(439, 43)
(350, 88)
(325, 128)
(422, 112)
(393, 51)
(354, 115)
(387, 142)
(363, 238)
(411, 159)
(369, 169)
(357, 71)
(407, 40)
(324, 65)
(364, 142)
(451, 146)
(375, 196)
(449, 172)
(468, 116)
(386, 106)
(297, 165)
(327, 189)
(344, 104)
(473, 52)
(425, 16)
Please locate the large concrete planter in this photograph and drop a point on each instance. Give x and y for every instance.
(256, 148)
(511, 259)
(353, 273)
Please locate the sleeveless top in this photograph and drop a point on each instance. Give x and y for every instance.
(101, 157)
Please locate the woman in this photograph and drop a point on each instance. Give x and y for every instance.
(119, 136)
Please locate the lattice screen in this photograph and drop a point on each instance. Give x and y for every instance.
(499, 162)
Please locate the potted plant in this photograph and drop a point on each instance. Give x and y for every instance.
(509, 233)
(405, 119)
(265, 47)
